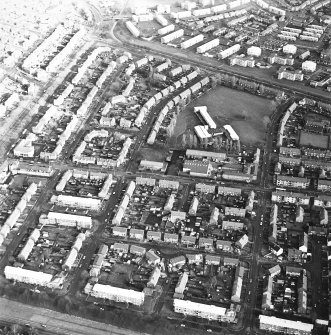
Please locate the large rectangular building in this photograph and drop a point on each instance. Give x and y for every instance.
(272, 323)
(118, 294)
(204, 311)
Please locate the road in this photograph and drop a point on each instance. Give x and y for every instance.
(12, 312)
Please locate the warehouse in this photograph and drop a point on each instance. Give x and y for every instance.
(117, 294)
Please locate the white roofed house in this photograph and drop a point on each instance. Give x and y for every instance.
(170, 238)
(152, 257)
(214, 216)
(274, 271)
(137, 250)
(181, 285)
(120, 231)
(241, 243)
(213, 260)
(121, 247)
(137, 233)
(224, 245)
(194, 258)
(188, 240)
(177, 262)
(154, 235)
(206, 243)
(154, 277)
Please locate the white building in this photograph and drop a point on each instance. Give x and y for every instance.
(27, 276)
(207, 46)
(290, 49)
(202, 110)
(117, 294)
(64, 219)
(254, 51)
(68, 200)
(204, 311)
(308, 66)
(272, 323)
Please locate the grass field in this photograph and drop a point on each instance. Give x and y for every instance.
(226, 106)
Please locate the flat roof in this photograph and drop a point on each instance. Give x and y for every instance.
(194, 306)
(274, 321)
(201, 153)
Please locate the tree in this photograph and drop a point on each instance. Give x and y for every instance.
(184, 141)
(213, 80)
(262, 89)
(195, 141)
(234, 81)
(266, 121)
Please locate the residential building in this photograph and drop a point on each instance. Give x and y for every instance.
(137, 250)
(213, 260)
(234, 211)
(181, 284)
(170, 238)
(274, 271)
(121, 247)
(324, 185)
(205, 242)
(205, 188)
(204, 311)
(224, 245)
(188, 240)
(120, 231)
(27, 276)
(241, 243)
(154, 235)
(178, 261)
(177, 215)
(266, 297)
(224, 190)
(154, 277)
(199, 154)
(237, 284)
(137, 234)
(293, 75)
(232, 225)
(272, 323)
(290, 181)
(117, 294)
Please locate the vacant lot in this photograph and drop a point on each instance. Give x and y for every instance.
(243, 111)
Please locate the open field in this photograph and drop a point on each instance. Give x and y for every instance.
(226, 106)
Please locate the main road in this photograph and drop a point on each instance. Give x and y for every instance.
(51, 322)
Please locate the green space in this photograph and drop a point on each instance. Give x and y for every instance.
(246, 113)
